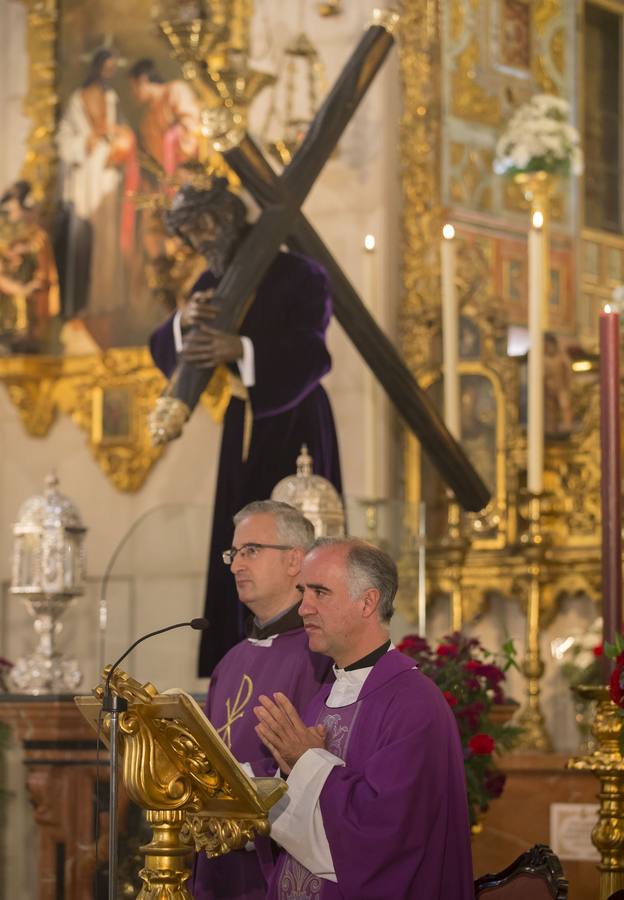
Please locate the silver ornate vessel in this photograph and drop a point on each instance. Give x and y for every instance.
(48, 573)
(314, 496)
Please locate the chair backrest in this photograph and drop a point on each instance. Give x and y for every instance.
(536, 874)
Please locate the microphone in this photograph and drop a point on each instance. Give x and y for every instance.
(197, 624)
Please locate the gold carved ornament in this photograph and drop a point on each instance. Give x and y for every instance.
(607, 764)
(175, 766)
(80, 387)
(84, 386)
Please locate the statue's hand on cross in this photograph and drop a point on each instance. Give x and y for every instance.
(206, 346)
(198, 310)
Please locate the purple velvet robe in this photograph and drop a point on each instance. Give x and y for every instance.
(396, 815)
(286, 323)
(247, 671)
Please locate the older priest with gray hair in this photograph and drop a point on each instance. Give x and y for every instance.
(376, 805)
(270, 540)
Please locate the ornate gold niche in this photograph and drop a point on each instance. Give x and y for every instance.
(490, 559)
(81, 387)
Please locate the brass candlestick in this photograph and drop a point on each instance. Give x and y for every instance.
(607, 764)
(455, 547)
(530, 717)
(212, 51)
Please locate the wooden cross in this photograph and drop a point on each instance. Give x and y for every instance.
(281, 221)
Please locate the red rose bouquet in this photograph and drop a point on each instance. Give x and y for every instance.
(472, 684)
(615, 652)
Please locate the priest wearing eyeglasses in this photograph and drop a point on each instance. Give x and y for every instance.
(270, 541)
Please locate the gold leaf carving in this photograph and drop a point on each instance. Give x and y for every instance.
(420, 154)
(42, 386)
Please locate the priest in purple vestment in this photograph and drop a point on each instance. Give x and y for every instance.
(280, 356)
(270, 539)
(376, 805)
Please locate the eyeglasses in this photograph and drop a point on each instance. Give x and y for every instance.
(250, 551)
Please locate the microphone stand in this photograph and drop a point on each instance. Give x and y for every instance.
(114, 705)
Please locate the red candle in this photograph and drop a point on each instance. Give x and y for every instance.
(610, 487)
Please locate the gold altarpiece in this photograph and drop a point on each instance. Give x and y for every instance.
(447, 176)
(463, 72)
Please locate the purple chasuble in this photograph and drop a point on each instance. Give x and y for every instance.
(286, 324)
(396, 815)
(247, 671)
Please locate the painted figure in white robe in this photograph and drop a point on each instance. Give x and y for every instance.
(97, 155)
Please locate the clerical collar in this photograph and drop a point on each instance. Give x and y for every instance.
(280, 624)
(370, 659)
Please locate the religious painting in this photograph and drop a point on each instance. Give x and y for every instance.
(478, 425)
(614, 265)
(554, 290)
(480, 438)
(469, 339)
(515, 281)
(128, 125)
(591, 261)
(112, 415)
(127, 130)
(29, 290)
(561, 314)
(515, 34)
(513, 285)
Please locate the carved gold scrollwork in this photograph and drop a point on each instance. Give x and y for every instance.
(219, 836)
(418, 40)
(176, 767)
(191, 758)
(40, 387)
(549, 60)
(41, 99)
(607, 764)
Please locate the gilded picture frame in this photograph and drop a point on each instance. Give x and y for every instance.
(44, 385)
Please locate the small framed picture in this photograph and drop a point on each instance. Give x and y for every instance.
(113, 415)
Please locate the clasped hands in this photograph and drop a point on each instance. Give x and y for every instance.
(206, 347)
(282, 731)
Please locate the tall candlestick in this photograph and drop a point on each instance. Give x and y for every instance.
(535, 404)
(422, 570)
(450, 331)
(371, 401)
(610, 484)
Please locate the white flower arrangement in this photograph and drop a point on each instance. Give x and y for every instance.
(539, 137)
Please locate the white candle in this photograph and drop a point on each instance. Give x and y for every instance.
(535, 377)
(422, 571)
(371, 398)
(450, 332)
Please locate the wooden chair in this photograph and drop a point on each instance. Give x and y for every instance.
(536, 874)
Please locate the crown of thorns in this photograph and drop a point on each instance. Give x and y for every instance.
(190, 202)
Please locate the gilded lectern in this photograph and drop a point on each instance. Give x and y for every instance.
(176, 767)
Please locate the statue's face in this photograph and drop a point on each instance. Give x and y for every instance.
(214, 240)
